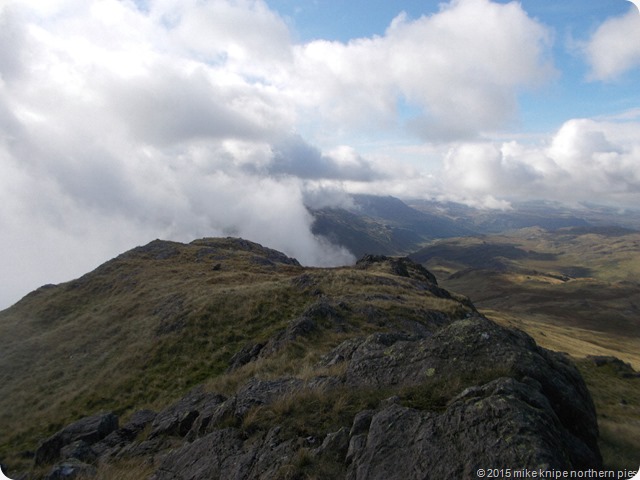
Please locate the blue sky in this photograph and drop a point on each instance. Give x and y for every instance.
(122, 121)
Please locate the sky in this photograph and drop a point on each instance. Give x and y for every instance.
(123, 121)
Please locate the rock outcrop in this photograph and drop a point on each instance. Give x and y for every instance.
(536, 413)
(84, 432)
(473, 395)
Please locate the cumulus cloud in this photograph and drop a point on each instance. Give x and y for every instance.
(583, 161)
(462, 73)
(614, 48)
(116, 127)
(294, 156)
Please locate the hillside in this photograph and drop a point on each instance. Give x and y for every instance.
(574, 290)
(576, 277)
(390, 226)
(224, 359)
(543, 214)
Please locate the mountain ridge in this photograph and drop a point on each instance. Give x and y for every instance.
(240, 353)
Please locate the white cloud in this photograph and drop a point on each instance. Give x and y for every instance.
(293, 156)
(463, 74)
(116, 128)
(614, 48)
(584, 160)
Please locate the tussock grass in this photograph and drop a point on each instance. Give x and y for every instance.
(123, 470)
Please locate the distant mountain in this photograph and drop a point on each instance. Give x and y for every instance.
(224, 359)
(584, 277)
(383, 225)
(547, 215)
(389, 226)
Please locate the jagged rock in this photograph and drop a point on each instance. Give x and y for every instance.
(262, 392)
(334, 446)
(505, 422)
(157, 250)
(622, 369)
(215, 409)
(178, 418)
(228, 454)
(138, 421)
(422, 278)
(80, 450)
(247, 354)
(403, 267)
(419, 394)
(121, 437)
(89, 429)
(263, 253)
(474, 349)
(319, 315)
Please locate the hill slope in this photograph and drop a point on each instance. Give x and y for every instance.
(224, 359)
(575, 278)
(574, 290)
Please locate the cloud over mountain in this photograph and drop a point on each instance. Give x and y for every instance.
(122, 121)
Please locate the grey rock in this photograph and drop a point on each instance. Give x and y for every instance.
(622, 369)
(227, 455)
(80, 450)
(177, 419)
(476, 349)
(118, 439)
(262, 392)
(505, 422)
(247, 354)
(334, 446)
(89, 429)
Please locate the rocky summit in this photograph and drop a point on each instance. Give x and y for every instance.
(222, 359)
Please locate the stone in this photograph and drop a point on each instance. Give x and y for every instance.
(89, 429)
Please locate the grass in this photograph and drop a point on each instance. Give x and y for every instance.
(122, 470)
(141, 331)
(144, 328)
(617, 401)
(572, 292)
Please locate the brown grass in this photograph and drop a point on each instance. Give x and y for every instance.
(138, 333)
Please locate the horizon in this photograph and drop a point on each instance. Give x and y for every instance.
(124, 121)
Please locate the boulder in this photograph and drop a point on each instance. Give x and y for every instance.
(473, 351)
(89, 430)
(505, 424)
(178, 418)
